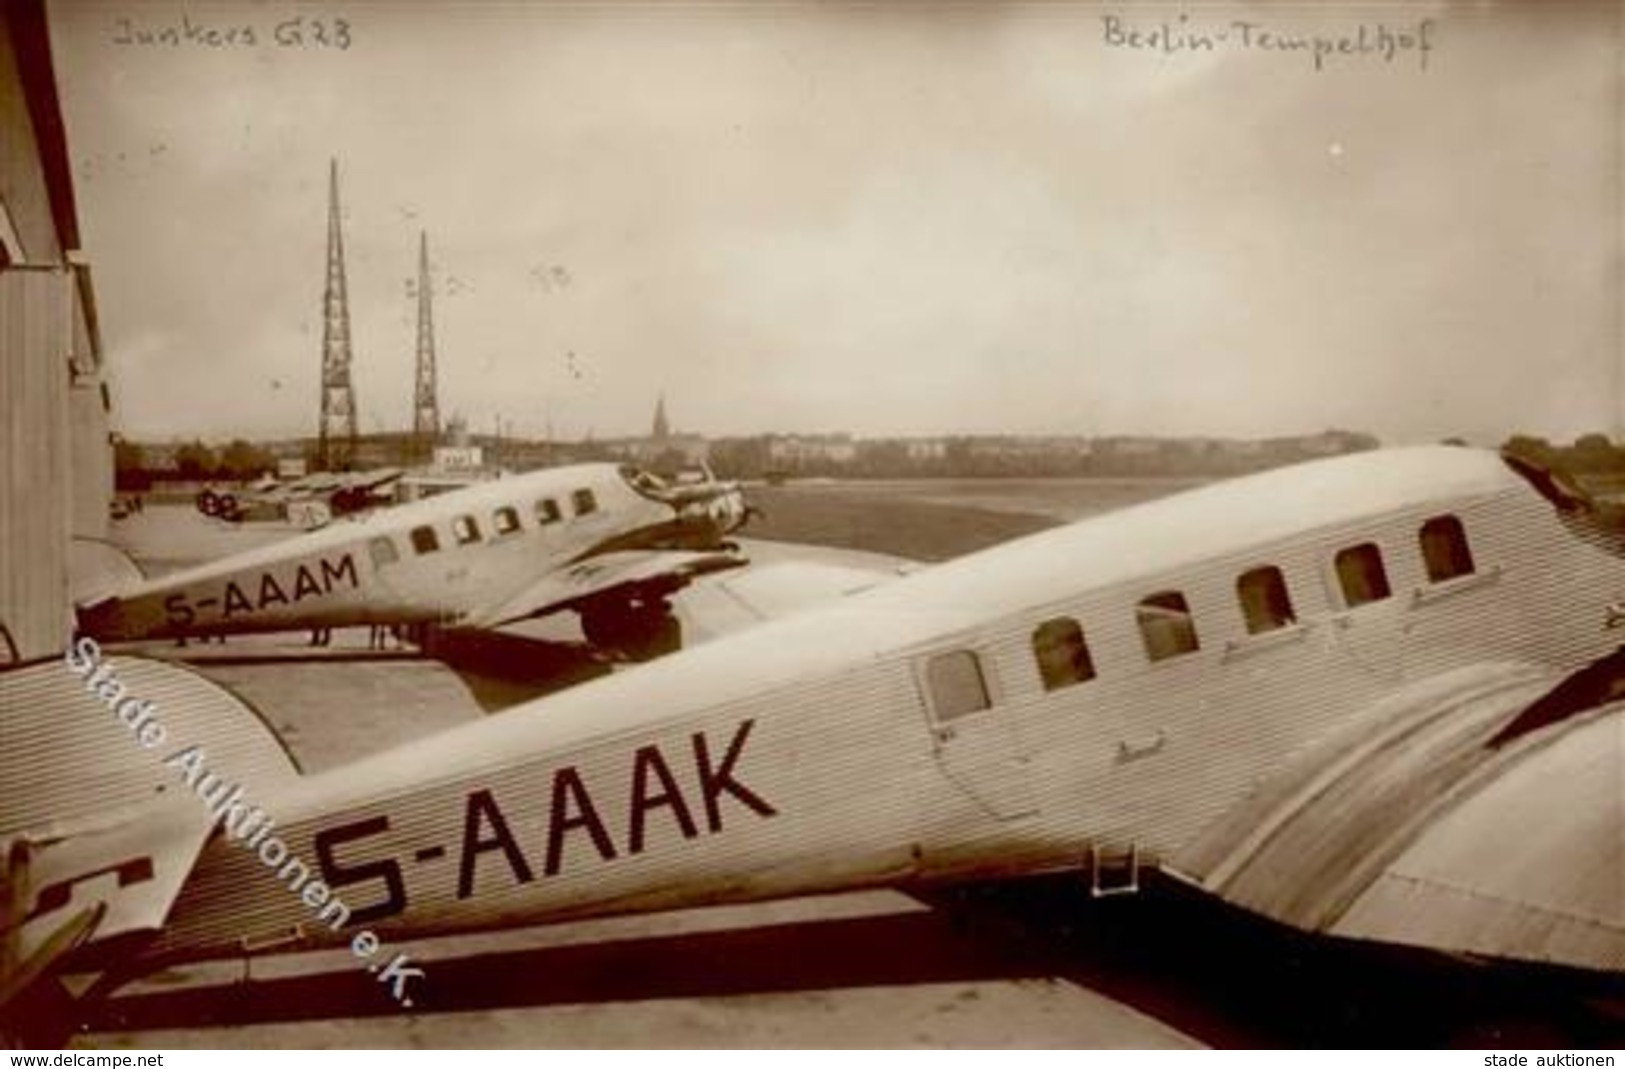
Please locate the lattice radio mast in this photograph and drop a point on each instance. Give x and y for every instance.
(337, 440)
(426, 409)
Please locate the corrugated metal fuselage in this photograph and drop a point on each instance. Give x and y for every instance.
(807, 755)
(367, 571)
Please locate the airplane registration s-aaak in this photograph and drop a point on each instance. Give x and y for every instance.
(609, 541)
(1370, 697)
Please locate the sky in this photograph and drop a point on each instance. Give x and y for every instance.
(1052, 218)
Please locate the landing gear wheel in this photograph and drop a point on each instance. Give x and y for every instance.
(640, 632)
(208, 502)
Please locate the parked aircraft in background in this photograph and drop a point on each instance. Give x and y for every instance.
(611, 543)
(309, 502)
(1371, 697)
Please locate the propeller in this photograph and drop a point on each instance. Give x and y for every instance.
(734, 512)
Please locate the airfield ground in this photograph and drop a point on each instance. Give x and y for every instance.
(1033, 966)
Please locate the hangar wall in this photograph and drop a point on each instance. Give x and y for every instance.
(56, 468)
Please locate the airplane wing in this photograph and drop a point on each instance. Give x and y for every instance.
(624, 573)
(1446, 828)
(372, 480)
(769, 590)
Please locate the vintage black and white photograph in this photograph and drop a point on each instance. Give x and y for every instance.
(805, 524)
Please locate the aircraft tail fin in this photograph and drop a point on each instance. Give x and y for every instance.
(98, 569)
(60, 894)
(99, 823)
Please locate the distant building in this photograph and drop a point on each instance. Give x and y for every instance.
(797, 450)
(924, 449)
(392, 450)
(458, 458)
(300, 449)
(679, 450)
(1029, 447)
(161, 456)
(522, 454)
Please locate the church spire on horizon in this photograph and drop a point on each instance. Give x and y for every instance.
(662, 429)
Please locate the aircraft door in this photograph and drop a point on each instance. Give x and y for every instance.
(1372, 629)
(384, 557)
(972, 738)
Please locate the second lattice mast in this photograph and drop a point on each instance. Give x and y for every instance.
(425, 409)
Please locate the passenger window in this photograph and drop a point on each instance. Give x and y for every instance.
(1264, 600)
(465, 530)
(383, 551)
(424, 540)
(1361, 575)
(1444, 549)
(1166, 626)
(505, 520)
(584, 502)
(1062, 654)
(956, 684)
(547, 511)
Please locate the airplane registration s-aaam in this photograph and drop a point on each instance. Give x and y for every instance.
(1371, 697)
(608, 541)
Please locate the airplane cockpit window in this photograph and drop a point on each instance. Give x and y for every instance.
(1265, 601)
(584, 501)
(1361, 574)
(956, 684)
(547, 511)
(383, 551)
(646, 483)
(1062, 654)
(505, 520)
(424, 540)
(465, 530)
(1444, 549)
(1166, 625)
